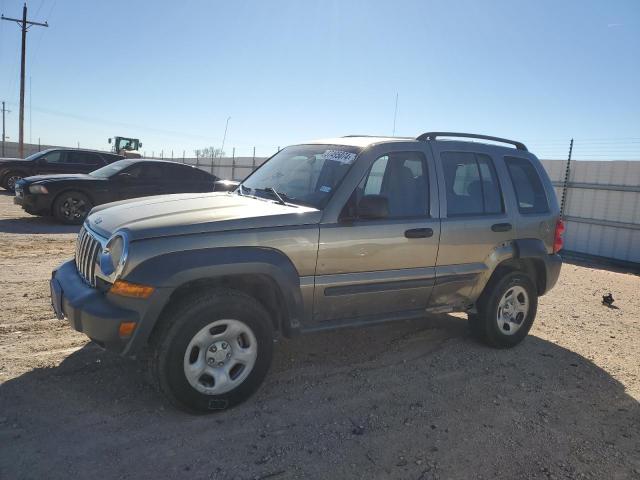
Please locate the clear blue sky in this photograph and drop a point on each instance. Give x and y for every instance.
(288, 71)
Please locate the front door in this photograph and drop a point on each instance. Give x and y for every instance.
(53, 163)
(372, 267)
(142, 179)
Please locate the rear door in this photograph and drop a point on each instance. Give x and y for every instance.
(475, 219)
(84, 162)
(370, 268)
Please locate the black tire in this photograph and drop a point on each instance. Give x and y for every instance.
(71, 208)
(10, 179)
(485, 325)
(176, 329)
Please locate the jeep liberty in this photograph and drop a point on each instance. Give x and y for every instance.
(344, 232)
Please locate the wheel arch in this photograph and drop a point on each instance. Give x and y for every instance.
(67, 190)
(529, 257)
(266, 274)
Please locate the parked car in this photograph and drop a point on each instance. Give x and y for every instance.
(345, 232)
(52, 161)
(69, 198)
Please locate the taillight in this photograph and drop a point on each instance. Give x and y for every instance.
(557, 238)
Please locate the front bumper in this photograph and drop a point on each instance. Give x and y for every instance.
(34, 204)
(99, 314)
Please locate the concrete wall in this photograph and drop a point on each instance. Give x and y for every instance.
(11, 149)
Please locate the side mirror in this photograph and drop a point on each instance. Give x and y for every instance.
(42, 161)
(109, 140)
(140, 145)
(373, 207)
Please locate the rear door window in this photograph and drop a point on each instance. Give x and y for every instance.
(471, 184)
(530, 193)
(83, 158)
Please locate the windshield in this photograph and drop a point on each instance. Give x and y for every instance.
(301, 174)
(33, 156)
(126, 143)
(111, 169)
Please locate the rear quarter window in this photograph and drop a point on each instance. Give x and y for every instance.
(528, 187)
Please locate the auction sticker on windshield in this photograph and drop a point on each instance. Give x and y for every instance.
(339, 156)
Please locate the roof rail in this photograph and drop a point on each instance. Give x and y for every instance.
(434, 135)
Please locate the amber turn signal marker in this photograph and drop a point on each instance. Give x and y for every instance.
(134, 290)
(126, 329)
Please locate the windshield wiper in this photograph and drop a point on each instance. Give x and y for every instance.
(275, 194)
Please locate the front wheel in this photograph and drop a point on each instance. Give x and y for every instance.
(211, 350)
(506, 310)
(71, 208)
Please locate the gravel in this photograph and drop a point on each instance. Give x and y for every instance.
(416, 400)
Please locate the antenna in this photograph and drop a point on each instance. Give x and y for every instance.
(395, 114)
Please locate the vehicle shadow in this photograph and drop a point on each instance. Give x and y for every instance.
(416, 399)
(35, 226)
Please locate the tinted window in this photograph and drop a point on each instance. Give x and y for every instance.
(83, 158)
(108, 158)
(471, 184)
(527, 185)
(402, 178)
(186, 173)
(147, 171)
(54, 157)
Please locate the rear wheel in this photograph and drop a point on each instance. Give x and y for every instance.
(10, 180)
(506, 310)
(211, 351)
(72, 207)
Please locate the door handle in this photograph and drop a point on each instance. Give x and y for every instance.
(501, 227)
(419, 233)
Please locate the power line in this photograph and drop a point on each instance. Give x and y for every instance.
(24, 26)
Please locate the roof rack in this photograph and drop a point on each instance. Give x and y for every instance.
(434, 135)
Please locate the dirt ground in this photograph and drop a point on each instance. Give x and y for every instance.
(414, 400)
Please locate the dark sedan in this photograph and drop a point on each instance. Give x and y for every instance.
(52, 161)
(69, 198)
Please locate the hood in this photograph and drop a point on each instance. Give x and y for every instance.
(12, 160)
(61, 177)
(189, 213)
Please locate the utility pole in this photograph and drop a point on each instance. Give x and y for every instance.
(24, 26)
(3, 130)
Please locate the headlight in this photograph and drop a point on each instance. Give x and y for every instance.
(114, 255)
(38, 189)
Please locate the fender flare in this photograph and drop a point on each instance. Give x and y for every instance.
(534, 249)
(170, 271)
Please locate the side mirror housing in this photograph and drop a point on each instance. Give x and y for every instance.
(373, 207)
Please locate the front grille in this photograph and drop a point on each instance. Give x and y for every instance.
(88, 248)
